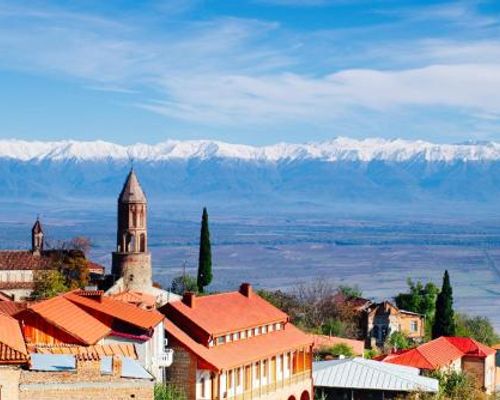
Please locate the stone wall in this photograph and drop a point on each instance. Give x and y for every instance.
(85, 383)
(135, 268)
(9, 382)
(118, 390)
(182, 373)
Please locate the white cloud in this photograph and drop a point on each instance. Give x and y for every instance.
(231, 71)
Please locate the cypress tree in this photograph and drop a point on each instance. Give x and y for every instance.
(205, 258)
(444, 321)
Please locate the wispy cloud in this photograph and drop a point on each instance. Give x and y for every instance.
(227, 71)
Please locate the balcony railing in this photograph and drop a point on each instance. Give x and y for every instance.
(166, 358)
(272, 387)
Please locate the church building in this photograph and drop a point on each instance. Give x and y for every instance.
(19, 267)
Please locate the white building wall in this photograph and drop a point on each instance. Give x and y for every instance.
(203, 379)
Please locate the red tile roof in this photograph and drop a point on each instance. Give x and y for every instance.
(242, 351)
(72, 319)
(115, 349)
(139, 299)
(95, 268)
(26, 260)
(228, 312)
(439, 352)
(23, 260)
(129, 313)
(16, 285)
(12, 346)
(323, 341)
(5, 297)
(12, 307)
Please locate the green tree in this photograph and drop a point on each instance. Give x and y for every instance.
(205, 258)
(48, 283)
(444, 321)
(341, 349)
(420, 299)
(350, 292)
(456, 385)
(168, 392)
(398, 341)
(478, 328)
(184, 283)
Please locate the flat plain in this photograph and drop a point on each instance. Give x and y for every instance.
(282, 249)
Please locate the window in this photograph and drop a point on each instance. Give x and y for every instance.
(257, 370)
(230, 379)
(264, 329)
(277, 326)
(236, 336)
(264, 369)
(243, 334)
(257, 331)
(238, 377)
(202, 383)
(413, 326)
(221, 340)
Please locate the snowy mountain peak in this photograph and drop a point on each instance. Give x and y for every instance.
(339, 149)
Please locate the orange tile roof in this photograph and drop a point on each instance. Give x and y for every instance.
(95, 268)
(72, 319)
(137, 298)
(115, 349)
(322, 341)
(5, 297)
(243, 351)
(439, 352)
(12, 307)
(117, 309)
(228, 312)
(12, 345)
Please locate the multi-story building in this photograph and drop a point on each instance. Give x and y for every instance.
(451, 354)
(89, 318)
(380, 320)
(237, 346)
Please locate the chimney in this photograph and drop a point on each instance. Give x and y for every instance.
(246, 289)
(189, 299)
(116, 367)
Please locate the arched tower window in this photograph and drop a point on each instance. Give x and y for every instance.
(143, 243)
(134, 218)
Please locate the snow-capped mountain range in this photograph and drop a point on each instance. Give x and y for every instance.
(342, 170)
(339, 149)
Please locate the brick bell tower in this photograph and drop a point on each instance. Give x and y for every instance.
(132, 260)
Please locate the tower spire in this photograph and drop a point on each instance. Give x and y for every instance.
(37, 237)
(132, 260)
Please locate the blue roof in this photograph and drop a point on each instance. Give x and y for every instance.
(132, 369)
(52, 362)
(67, 362)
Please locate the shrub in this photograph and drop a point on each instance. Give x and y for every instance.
(168, 392)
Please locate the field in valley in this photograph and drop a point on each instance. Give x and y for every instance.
(280, 250)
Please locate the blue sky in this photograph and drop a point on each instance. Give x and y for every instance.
(256, 71)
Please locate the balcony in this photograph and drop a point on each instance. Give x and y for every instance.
(166, 358)
(270, 388)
